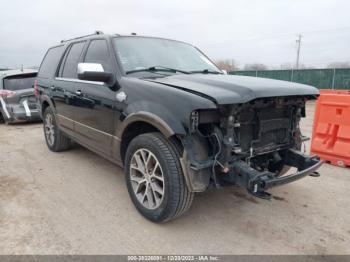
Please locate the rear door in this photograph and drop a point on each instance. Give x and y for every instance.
(95, 112)
(47, 73)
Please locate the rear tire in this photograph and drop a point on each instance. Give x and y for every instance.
(159, 191)
(56, 141)
(2, 119)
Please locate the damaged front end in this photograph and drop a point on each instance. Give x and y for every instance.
(252, 145)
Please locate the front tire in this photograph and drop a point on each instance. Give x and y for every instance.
(280, 168)
(154, 178)
(56, 141)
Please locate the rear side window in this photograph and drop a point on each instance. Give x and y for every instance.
(19, 82)
(49, 64)
(72, 60)
(98, 53)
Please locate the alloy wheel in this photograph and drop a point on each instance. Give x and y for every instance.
(49, 129)
(147, 178)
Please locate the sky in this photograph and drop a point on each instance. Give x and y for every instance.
(248, 31)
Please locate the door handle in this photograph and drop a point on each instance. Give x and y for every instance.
(78, 92)
(53, 88)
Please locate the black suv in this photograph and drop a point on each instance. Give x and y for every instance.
(178, 124)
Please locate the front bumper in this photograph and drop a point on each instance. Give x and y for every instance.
(257, 182)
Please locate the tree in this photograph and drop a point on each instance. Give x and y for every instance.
(255, 67)
(339, 65)
(227, 64)
(286, 66)
(302, 66)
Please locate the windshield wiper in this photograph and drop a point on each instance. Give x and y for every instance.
(157, 68)
(207, 71)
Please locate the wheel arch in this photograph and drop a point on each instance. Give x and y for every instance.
(47, 102)
(144, 122)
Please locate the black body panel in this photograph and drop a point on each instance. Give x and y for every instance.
(232, 89)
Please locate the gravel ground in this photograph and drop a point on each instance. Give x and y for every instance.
(76, 202)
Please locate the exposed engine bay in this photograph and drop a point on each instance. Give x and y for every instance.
(251, 144)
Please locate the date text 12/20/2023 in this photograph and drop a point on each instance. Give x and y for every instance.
(174, 258)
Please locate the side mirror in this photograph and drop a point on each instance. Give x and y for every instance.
(93, 72)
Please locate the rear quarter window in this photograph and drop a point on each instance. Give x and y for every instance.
(49, 64)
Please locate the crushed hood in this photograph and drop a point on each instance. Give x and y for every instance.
(231, 89)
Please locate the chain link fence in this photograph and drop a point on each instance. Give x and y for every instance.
(320, 78)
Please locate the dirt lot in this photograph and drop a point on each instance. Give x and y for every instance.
(76, 203)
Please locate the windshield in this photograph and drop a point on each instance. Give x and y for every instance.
(19, 82)
(137, 53)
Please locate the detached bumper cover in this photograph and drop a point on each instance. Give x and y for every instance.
(257, 182)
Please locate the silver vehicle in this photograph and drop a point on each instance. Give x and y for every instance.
(17, 100)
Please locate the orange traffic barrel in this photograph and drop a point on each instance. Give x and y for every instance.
(331, 130)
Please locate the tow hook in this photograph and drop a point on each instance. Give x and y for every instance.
(257, 185)
(260, 194)
(315, 174)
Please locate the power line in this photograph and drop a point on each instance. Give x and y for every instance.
(282, 35)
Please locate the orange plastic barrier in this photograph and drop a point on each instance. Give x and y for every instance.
(334, 91)
(331, 131)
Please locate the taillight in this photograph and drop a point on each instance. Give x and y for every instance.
(36, 90)
(6, 93)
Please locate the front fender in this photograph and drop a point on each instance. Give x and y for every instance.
(173, 106)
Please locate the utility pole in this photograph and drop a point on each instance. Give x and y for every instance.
(298, 41)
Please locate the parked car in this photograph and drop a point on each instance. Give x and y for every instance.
(17, 100)
(178, 125)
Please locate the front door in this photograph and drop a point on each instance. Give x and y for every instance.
(95, 117)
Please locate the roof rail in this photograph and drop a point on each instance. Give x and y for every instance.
(96, 33)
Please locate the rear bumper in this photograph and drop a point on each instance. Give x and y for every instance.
(17, 118)
(18, 113)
